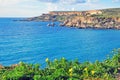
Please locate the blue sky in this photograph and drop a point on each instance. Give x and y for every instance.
(30, 8)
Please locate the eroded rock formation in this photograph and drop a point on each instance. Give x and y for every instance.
(100, 19)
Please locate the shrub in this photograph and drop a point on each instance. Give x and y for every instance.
(65, 70)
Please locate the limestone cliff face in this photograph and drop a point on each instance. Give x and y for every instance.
(100, 19)
(92, 22)
(77, 13)
(89, 19)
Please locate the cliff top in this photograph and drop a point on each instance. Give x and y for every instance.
(114, 12)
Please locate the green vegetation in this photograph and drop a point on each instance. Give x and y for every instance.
(108, 13)
(64, 17)
(61, 18)
(113, 12)
(65, 70)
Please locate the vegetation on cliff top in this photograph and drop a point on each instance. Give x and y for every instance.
(112, 12)
(100, 19)
(65, 70)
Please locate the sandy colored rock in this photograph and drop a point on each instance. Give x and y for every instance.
(1, 67)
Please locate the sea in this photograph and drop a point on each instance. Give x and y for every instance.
(33, 42)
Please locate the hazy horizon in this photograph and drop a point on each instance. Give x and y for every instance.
(31, 8)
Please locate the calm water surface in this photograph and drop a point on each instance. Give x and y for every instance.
(32, 42)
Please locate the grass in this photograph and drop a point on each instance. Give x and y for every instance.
(63, 69)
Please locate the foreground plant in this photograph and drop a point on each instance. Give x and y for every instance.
(64, 70)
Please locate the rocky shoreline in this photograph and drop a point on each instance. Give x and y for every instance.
(91, 22)
(96, 19)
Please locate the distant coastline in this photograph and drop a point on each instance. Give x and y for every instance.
(96, 19)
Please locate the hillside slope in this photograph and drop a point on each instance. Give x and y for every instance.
(100, 19)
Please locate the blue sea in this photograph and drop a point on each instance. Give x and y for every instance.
(33, 42)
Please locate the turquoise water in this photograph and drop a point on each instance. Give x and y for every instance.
(33, 42)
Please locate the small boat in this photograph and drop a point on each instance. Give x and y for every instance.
(51, 24)
(48, 24)
(61, 24)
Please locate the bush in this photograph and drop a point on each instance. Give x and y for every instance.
(64, 70)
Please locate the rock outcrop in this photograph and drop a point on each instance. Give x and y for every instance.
(92, 22)
(77, 13)
(1, 67)
(99, 19)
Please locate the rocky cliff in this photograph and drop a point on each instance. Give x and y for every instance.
(93, 22)
(100, 19)
(76, 13)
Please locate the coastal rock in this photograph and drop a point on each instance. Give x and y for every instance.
(14, 65)
(91, 22)
(1, 67)
(100, 19)
(76, 13)
(118, 27)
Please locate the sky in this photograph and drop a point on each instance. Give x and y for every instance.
(31, 8)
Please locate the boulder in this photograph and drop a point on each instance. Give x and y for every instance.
(14, 65)
(1, 67)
